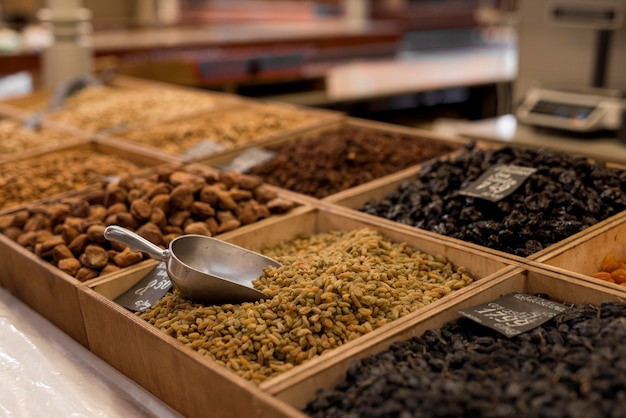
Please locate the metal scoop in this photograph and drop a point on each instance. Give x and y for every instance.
(203, 268)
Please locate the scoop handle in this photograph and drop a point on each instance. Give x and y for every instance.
(135, 242)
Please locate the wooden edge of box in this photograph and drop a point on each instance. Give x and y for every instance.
(604, 235)
(328, 371)
(157, 362)
(47, 290)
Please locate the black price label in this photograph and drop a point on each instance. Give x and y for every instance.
(145, 293)
(514, 313)
(498, 182)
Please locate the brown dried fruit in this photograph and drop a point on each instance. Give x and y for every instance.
(96, 233)
(60, 252)
(27, 239)
(20, 218)
(264, 193)
(36, 222)
(78, 244)
(171, 229)
(69, 232)
(209, 194)
(161, 201)
(158, 218)
(114, 194)
(181, 197)
(97, 212)
(6, 221)
(238, 194)
(225, 201)
(229, 225)
(119, 207)
(251, 211)
(127, 258)
(159, 188)
(248, 182)
(280, 205)
(109, 268)
(94, 257)
(85, 273)
(69, 266)
(202, 209)
(199, 228)
(213, 225)
(80, 208)
(178, 218)
(126, 220)
(141, 210)
(44, 248)
(12, 232)
(151, 232)
(57, 212)
(194, 182)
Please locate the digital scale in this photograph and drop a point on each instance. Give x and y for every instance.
(587, 110)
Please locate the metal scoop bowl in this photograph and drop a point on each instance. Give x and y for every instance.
(203, 268)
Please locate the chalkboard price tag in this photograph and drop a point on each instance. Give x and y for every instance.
(248, 159)
(514, 313)
(147, 291)
(498, 182)
(203, 148)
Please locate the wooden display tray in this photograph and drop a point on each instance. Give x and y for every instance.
(354, 198)
(455, 142)
(330, 370)
(195, 385)
(146, 159)
(317, 118)
(25, 106)
(74, 137)
(583, 256)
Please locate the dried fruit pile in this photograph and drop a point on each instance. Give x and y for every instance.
(572, 366)
(338, 160)
(331, 288)
(564, 196)
(160, 207)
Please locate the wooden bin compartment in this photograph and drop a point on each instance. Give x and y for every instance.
(584, 256)
(329, 371)
(18, 141)
(120, 104)
(357, 198)
(337, 157)
(196, 385)
(40, 175)
(248, 123)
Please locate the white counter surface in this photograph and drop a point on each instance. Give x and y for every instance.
(45, 373)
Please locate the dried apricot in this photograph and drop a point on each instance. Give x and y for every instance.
(619, 275)
(603, 275)
(610, 263)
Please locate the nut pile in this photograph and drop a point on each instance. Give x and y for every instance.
(160, 207)
(14, 137)
(566, 195)
(338, 160)
(228, 128)
(572, 366)
(332, 288)
(28, 180)
(101, 108)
